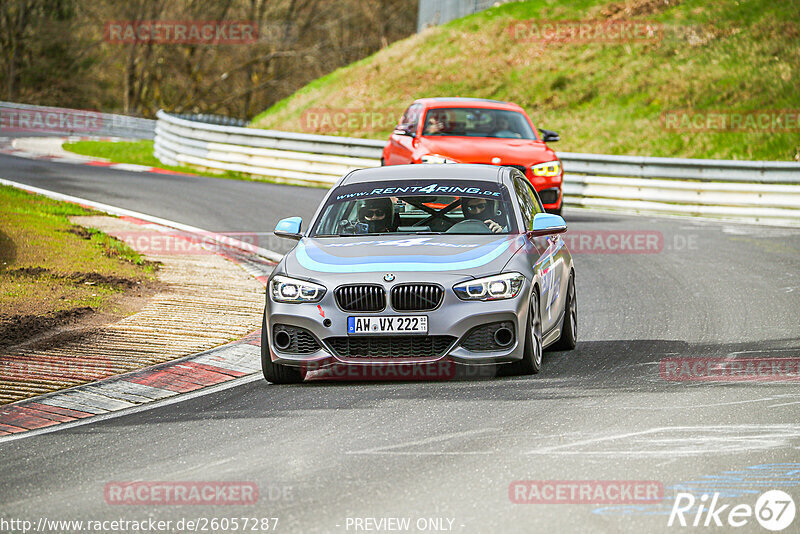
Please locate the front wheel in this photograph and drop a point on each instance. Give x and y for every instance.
(569, 328)
(531, 362)
(275, 372)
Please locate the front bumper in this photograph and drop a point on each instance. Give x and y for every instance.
(454, 317)
(549, 189)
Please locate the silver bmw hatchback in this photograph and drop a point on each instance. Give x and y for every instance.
(421, 267)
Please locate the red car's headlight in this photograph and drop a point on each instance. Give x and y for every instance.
(549, 168)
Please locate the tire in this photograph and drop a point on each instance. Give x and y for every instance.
(274, 372)
(531, 362)
(556, 211)
(569, 327)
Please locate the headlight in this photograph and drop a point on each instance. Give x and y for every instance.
(498, 287)
(550, 168)
(436, 158)
(285, 289)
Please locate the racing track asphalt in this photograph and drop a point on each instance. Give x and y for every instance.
(451, 449)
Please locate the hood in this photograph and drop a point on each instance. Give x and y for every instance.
(457, 255)
(482, 150)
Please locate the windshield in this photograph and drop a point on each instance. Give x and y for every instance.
(417, 206)
(477, 122)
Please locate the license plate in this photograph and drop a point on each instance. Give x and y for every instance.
(411, 324)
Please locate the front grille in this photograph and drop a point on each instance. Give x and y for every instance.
(303, 341)
(549, 196)
(390, 346)
(362, 298)
(481, 338)
(416, 297)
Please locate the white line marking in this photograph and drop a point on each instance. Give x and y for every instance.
(685, 406)
(60, 399)
(387, 449)
(760, 438)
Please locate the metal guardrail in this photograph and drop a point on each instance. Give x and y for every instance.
(321, 159)
(737, 190)
(24, 119)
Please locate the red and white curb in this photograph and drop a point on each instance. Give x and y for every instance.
(122, 393)
(219, 368)
(7, 147)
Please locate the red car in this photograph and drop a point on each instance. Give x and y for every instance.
(475, 130)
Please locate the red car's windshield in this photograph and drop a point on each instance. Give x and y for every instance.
(477, 122)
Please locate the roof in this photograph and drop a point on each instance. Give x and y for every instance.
(445, 171)
(478, 102)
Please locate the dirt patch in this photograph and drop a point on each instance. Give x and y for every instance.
(15, 329)
(117, 282)
(109, 280)
(80, 231)
(47, 330)
(28, 271)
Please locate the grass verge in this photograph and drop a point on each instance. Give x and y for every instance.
(725, 57)
(52, 271)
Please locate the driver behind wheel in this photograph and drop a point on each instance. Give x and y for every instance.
(481, 209)
(377, 215)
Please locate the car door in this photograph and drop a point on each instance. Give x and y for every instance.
(547, 255)
(401, 146)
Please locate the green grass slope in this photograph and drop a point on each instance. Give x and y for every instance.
(712, 59)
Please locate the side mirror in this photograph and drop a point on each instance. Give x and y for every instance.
(548, 223)
(289, 227)
(549, 136)
(404, 130)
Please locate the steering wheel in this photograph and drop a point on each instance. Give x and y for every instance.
(469, 226)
